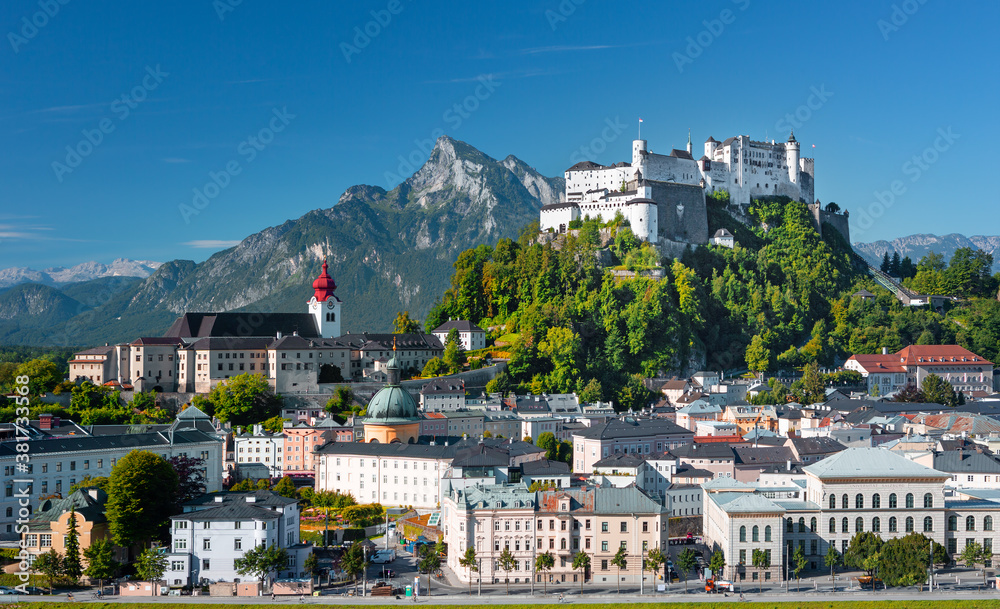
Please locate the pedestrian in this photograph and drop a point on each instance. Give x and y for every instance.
(272, 596)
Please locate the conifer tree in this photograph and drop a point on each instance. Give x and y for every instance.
(71, 562)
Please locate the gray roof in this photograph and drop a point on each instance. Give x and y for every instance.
(968, 462)
(722, 233)
(627, 500)
(232, 511)
(635, 428)
(489, 496)
(461, 325)
(621, 460)
(242, 324)
(870, 463)
(815, 446)
(763, 455)
(92, 443)
(745, 503)
(261, 497)
(545, 467)
(444, 385)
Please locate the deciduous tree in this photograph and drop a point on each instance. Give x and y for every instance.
(260, 561)
(543, 564)
(101, 563)
(142, 496)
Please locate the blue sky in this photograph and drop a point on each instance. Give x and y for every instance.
(268, 110)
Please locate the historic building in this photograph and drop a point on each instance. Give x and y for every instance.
(392, 412)
(889, 372)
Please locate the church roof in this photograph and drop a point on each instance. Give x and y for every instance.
(681, 154)
(242, 325)
(324, 285)
(392, 404)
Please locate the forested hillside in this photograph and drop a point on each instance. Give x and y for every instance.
(780, 299)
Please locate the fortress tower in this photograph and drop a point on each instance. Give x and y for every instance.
(324, 306)
(792, 155)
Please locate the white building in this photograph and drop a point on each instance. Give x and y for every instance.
(443, 394)
(471, 336)
(215, 530)
(724, 238)
(626, 435)
(390, 474)
(263, 447)
(888, 372)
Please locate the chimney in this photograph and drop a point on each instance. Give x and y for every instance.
(788, 465)
(93, 492)
(278, 335)
(45, 421)
(251, 498)
(219, 498)
(885, 350)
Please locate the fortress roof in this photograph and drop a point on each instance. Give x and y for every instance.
(585, 165)
(681, 154)
(711, 139)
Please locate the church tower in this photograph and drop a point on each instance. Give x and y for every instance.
(324, 306)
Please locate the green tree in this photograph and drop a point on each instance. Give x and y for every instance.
(49, 564)
(799, 562)
(341, 400)
(581, 562)
(311, 564)
(591, 392)
(143, 493)
(687, 560)
(190, 477)
(275, 424)
(973, 554)
(547, 441)
(904, 561)
(761, 560)
(403, 324)
(100, 482)
(470, 562)
(718, 563)
(430, 562)
(150, 566)
(813, 384)
(454, 352)
(42, 374)
(244, 399)
(71, 555)
(863, 546)
(543, 564)
(435, 366)
(285, 487)
(101, 563)
(260, 561)
(938, 391)
(832, 559)
(619, 561)
(506, 562)
(654, 561)
(353, 562)
(758, 355)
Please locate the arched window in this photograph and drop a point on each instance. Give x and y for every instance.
(812, 525)
(952, 523)
(876, 501)
(788, 525)
(802, 525)
(928, 500)
(859, 501)
(988, 523)
(843, 502)
(970, 523)
(562, 543)
(833, 502)
(859, 525)
(876, 524)
(909, 524)
(767, 533)
(928, 524)
(833, 525)
(892, 524)
(843, 525)
(892, 501)
(756, 533)
(909, 501)
(743, 533)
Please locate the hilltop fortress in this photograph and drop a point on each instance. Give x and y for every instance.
(663, 195)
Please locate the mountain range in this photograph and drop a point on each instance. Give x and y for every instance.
(918, 246)
(57, 275)
(388, 251)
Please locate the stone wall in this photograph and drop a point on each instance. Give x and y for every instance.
(682, 213)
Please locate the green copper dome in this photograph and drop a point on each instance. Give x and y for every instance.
(392, 404)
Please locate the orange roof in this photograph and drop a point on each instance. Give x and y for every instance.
(879, 363)
(719, 439)
(939, 355)
(434, 415)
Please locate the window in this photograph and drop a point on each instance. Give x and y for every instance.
(876, 524)
(767, 533)
(802, 525)
(909, 501)
(859, 501)
(743, 557)
(180, 544)
(756, 533)
(743, 533)
(833, 502)
(833, 525)
(988, 523)
(892, 501)
(953, 523)
(928, 524)
(788, 525)
(624, 526)
(843, 501)
(206, 544)
(604, 546)
(892, 524)
(843, 525)
(206, 564)
(859, 524)
(909, 524)
(176, 565)
(46, 540)
(970, 523)
(604, 526)
(604, 565)
(812, 525)
(928, 500)
(876, 501)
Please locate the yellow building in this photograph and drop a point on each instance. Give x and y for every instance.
(49, 525)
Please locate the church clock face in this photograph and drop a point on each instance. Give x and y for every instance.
(330, 304)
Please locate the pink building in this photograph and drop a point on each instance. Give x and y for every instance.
(301, 440)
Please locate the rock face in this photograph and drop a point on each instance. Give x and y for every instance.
(388, 251)
(918, 246)
(121, 267)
